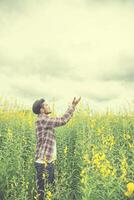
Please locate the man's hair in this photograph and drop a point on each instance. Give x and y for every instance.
(37, 106)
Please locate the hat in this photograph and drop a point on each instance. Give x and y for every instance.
(37, 105)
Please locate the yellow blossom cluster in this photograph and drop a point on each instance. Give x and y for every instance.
(126, 136)
(24, 140)
(65, 150)
(130, 189)
(92, 123)
(10, 134)
(30, 120)
(21, 114)
(100, 130)
(108, 141)
(124, 167)
(49, 195)
(102, 164)
(131, 145)
(84, 176)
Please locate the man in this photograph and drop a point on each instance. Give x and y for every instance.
(45, 154)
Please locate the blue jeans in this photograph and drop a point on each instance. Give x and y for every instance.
(49, 172)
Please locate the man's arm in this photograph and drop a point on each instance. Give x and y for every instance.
(49, 122)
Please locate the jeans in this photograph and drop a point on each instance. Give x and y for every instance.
(41, 180)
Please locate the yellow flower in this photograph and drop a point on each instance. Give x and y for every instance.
(65, 150)
(9, 134)
(113, 172)
(124, 167)
(82, 180)
(130, 145)
(24, 139)
(83, 171)
(49, 195)
(130, 189)
(103, 156)
(126, 136)
(21, 114)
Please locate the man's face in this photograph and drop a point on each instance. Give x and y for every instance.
(46, 108)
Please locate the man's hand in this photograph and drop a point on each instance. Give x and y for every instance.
(76, 101)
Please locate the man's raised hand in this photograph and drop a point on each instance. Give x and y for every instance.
(76, 101)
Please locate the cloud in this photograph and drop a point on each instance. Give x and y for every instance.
(19, 6)
(43, 64)
(124, 70)
(66, 48)
(99, 98)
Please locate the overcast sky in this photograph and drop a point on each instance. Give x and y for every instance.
(67, 48)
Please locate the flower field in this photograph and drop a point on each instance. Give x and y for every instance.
(95, 156)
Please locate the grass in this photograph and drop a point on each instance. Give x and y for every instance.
(94, 156)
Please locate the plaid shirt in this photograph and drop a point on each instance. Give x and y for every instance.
(45, 133)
